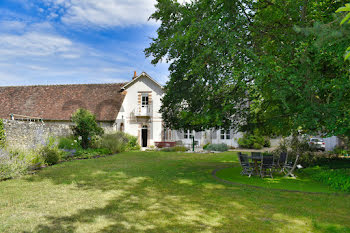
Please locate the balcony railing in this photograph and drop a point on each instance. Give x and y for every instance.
(143, 111)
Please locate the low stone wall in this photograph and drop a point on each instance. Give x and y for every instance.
(26, 134)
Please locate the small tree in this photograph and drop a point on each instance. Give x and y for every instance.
(2, 134)
(85, 126)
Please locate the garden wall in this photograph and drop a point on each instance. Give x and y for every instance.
(26, 134)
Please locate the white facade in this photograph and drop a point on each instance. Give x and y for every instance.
(139, 116)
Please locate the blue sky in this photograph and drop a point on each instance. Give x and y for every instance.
(75, 41)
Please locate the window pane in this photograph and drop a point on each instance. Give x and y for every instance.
(228, 136)
(145, 100)
(222, 136)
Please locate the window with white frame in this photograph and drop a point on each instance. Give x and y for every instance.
(188, 134)
(225, 134)
(144, 100)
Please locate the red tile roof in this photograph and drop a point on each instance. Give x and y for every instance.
(58, 102)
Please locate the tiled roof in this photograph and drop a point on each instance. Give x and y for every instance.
(58, 102)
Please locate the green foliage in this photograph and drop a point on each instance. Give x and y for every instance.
(267, 142)
(257, 146)
(115, 142)
(174, 149)
(85, 126)
(11, 165)
(89, 153)
(132, 143)
(283, 57)
(15, 162)
(2, 134)
(336, 178)
(206, 146)
(346, 19)
(217, 147)
(205, 44)
(252, 141)
(50, 152)
(68, 143)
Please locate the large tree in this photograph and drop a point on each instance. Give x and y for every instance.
(262, 64)
(302, 81)
(207, 45)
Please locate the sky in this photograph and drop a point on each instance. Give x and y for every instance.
(76, 41)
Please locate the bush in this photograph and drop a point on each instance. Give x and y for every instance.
(116, 142)
(90, 153)
(85, 127)
(32, 158)
(267, 142)
(68, 143)
(180, 148)
(206, 146)
(2, 134)
(336, 178)
(253, 141)
(217, 147)
(132, 144)
(174, 149)
(12, 165)
(257, 146)
(50, 152)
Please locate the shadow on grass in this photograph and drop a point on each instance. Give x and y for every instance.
(157, 193)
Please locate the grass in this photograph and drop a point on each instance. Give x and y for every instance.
(159, 192)
(302, 183)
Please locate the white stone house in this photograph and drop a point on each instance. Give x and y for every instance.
(140, 116)
(131, 107)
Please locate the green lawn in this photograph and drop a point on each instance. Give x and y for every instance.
(302, 183)
(159, 192)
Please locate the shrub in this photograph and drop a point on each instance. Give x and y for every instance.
(12, 165)
(116, 142)
(68, 143)
(267, 142)
(217, 147)
(336, 178)
(32, 158)
(50, 152)
(91, 153)
(174, 149)
(132, 144)
(257, 146)
(2, 134)
(206, 146)
(168, 149)
(85, 126)
(251, 141)
(180, 148)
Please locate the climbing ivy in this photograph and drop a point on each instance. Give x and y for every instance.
(2, 134)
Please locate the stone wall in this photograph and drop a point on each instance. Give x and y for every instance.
(26, 134)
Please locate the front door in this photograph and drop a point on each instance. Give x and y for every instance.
(144, 136)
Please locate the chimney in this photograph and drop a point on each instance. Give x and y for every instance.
(134, 75)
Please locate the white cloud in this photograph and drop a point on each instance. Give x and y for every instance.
(8, 25)
(33, 44)
(105, 13)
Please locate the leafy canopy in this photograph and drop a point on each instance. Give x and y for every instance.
(345, 8)
(273, 65)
